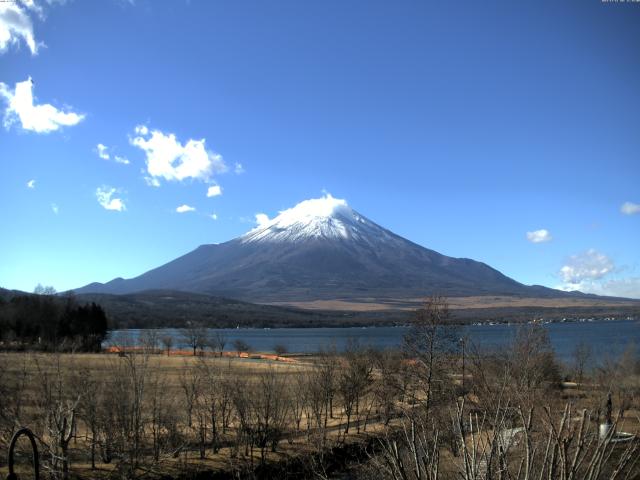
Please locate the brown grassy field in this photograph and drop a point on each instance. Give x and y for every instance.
(175, 372)
(460, 303)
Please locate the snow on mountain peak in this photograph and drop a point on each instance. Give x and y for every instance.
(313, 208)
(325, 217)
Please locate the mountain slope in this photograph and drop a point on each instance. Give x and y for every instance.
(321, 249)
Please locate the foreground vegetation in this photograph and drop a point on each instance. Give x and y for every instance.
(439, 408)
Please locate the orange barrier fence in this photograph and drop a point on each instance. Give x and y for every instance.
(189, 353)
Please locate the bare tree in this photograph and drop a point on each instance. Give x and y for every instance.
(190, 384)
(280, 349)
(271, 407)
(412, 453)
(226, 406)
(558, 447)
(219, 341)
(158, 413)
(124, 410)
(389, 385)
(90, 388)
(59, 405)
(510, 443)
(298, 395)
(241, 346)
(213, 388)
(149, 340)
(429, 344)
(321, 390)
(353, 380)
(240, 397)
(581, 357)
(615, 375)
(195, 336)
(44, 290)
(532, 365)
(167, 343)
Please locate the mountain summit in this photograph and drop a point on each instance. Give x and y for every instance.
(322, 249)
(325, 218)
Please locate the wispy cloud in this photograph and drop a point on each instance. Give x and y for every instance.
(170, 160)
(42, 118)
(238, 169)
(185, 208)
(539, 236)
(618, 287)
(55, 208)
(151, 181)
(31, 184)
(630, 208)
(141, 130)
(214, 191)
(106, 199)
(213, 216)
(102, 151)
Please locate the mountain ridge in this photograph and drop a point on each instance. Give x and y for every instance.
(322, 249)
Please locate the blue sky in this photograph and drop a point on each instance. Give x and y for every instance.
(506, 132)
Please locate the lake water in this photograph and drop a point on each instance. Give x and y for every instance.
(606, 338)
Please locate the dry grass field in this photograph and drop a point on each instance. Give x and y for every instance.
(181, 384)
(460, 303)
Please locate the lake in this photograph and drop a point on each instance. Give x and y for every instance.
(606, 338)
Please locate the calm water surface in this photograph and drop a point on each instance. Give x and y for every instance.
(606, 338)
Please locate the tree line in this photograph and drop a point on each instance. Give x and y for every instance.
(46, 321)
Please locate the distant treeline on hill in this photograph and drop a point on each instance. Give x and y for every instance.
(51, 322)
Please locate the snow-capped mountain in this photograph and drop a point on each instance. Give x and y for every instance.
(321, 249)
(325, 218)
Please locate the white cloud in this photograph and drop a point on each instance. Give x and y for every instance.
(55, 208)
(171, 160)
(539, 236)
(185, 208)
(630, 208)
(141, 130)
(591, 272)
(16, 25)
(586, 266)
(105, 196)
(214, 191)
(31, 184)
(42, 118)
(619, 287)
(102, 151)
(261, 219)
(238, 169)
(213, 216)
